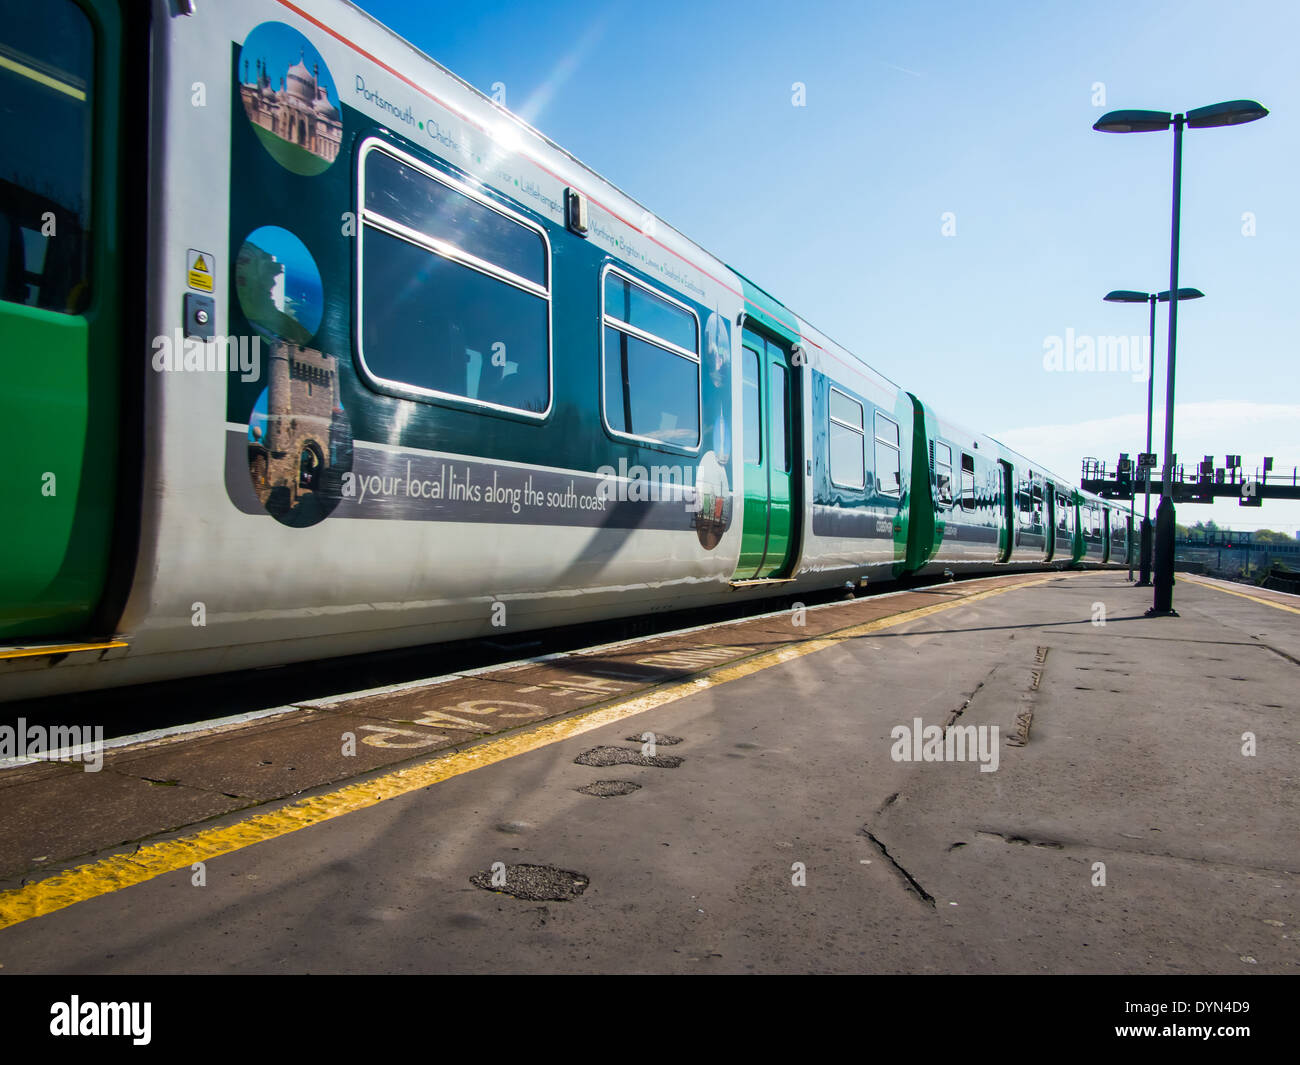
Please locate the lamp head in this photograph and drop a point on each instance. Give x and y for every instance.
(1231, 113)
(1133, 121)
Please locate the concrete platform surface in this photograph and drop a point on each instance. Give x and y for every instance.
(839, 801)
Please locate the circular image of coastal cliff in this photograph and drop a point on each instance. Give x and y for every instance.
(289, 98)
(278, 285)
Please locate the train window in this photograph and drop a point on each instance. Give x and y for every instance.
(402, 194)
(441, 328)
(47, 55)
(454, 293)
(780, 397)
(847, 441)
(943, 473)
(651, 364)
(636, 306)
(753, 425)
(1062, 515)
(889, 480)
(967, 482)
(1025, 502)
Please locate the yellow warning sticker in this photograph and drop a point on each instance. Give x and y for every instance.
(199, 270)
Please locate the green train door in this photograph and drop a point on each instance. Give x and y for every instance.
(1007, 497)
(1049, 534)
(60, 66)
(770, 533)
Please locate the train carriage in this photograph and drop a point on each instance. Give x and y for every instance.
(341, 356)
(1091, 528)
(967, 496)
(1119, 534)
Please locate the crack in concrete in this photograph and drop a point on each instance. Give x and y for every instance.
(912, 883)
(953, 715)
(1281, 654)
(1019, 839)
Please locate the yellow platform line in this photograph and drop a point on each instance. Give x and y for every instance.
(1244, 595)
(44, 650)
(125, 870)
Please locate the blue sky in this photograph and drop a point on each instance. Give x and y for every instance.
(983, 110)
(281, 47)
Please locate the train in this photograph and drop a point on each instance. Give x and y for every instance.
(313, 349)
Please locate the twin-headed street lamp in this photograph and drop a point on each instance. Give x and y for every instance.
(1231, 113)
(1129, 296)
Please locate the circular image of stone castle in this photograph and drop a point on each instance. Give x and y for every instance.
(290, 99)
(299, 437)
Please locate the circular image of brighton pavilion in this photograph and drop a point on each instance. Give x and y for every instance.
(278, 285)
(290, 99)
(712, 516)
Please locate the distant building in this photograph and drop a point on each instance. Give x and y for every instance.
(298, 112)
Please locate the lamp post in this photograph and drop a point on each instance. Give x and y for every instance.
(1231, 113)
(1129, 296)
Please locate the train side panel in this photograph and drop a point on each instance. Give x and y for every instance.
(413, 374)
(308, 492)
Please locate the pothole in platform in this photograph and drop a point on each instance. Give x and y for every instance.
(533, 883)
(607, 789)
(661, 739)
(601, 757)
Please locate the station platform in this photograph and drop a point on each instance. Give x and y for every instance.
(1013, 774)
